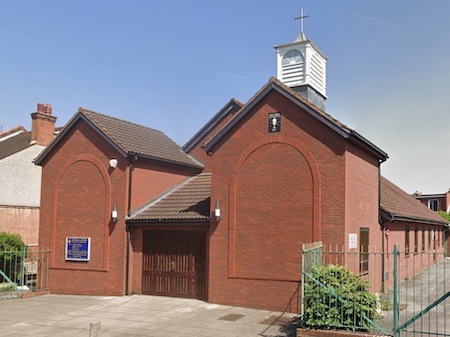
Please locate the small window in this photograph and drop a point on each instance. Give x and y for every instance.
(364, 250)
(433, 204)
(407, 240)
(438, 237)
(433, 237)
(423, 239)
(429, 239)
(416, 240)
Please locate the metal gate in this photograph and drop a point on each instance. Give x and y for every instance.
(421, 304)
(174, 264)
(413, 288)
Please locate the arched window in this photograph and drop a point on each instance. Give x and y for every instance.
(293, 56)
(293, 68)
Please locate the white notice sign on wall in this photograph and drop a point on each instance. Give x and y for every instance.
(353, 241)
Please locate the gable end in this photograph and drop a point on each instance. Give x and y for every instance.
(323, 117)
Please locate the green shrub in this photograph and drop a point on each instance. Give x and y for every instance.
(11, 242)
(385, 305)
(6, 287)
(345, 305)
(444, 214)
(11, 252)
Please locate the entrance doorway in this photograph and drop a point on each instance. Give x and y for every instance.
(174, 264)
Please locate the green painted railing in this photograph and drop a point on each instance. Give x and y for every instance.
(420, 302)
(413, 288)
(22, 271)
(11, 283)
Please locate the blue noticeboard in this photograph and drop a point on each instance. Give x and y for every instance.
(78, 249)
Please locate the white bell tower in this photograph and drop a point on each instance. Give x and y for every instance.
(301, 65)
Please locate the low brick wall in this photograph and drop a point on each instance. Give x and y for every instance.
(331, 333)
(29, 294)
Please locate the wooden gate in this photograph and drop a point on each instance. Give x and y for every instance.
(174, 264)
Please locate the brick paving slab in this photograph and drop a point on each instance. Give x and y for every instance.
(136, 315)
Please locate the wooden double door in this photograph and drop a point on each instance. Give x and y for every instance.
(174, 263)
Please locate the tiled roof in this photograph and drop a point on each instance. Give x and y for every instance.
(12, 132)
(141, 140)
(188, 201)
(137, 139)
(401, 205)
(15, 144)
(16, 140)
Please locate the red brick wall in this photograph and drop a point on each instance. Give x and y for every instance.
(198, 152)
(361, 196)
(150, 180)
(263, 179)
(276, 191)
(446, 234)
(442, 202)
(412, 264)
(43, 128)
(361, 209)
(137, 245)
(21, 220)
(446, 202)
(332, 333)
(78, 191)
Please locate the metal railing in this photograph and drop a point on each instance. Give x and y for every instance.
(23, 271)
(421, 302)
(412, 289)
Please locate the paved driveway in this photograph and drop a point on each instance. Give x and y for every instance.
(137, 315)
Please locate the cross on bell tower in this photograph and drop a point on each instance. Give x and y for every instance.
(302, 17)
(301, 65)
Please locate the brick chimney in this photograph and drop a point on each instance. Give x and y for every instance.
(43, 125)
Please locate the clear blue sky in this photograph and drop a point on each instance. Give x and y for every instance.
(171, 65)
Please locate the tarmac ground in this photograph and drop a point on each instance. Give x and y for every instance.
(136, 315)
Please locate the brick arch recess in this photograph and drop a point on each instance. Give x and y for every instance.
(233, 187)
(106, 212)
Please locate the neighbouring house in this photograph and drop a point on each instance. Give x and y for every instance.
(126, 210)
(435, 202)
(20, 178)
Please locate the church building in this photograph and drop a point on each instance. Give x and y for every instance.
(125, 210)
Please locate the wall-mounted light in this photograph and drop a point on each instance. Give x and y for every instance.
(113, 163)
(114, 213)
(217, 211)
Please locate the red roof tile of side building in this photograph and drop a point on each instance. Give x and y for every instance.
(401, 206)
